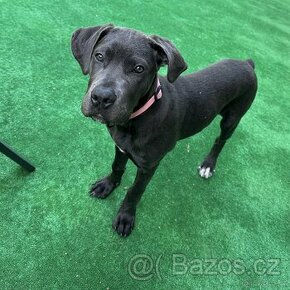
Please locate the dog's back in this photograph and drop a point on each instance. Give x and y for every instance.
(204, 94)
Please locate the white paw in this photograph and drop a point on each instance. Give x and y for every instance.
(205, 172)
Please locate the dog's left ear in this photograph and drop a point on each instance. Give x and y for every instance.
(167, 54)
(83, 42)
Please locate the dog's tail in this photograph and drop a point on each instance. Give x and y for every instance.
(251, 63)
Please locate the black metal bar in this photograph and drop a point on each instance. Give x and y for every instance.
(9, 152)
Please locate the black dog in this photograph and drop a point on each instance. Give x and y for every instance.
(147, 114)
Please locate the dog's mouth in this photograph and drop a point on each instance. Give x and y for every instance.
(98, 118)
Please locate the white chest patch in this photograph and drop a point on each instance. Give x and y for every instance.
(121, 149)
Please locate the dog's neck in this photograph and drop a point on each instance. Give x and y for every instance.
(153, 94)
(148, 95)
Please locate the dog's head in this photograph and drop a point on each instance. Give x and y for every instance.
(122, 65)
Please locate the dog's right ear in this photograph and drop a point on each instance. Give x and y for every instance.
(83, 42)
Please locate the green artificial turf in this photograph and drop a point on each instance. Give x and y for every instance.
(54, 236)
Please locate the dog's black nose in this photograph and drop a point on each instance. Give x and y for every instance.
(103, 96)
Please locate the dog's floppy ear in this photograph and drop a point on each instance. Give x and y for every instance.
(83, 42)
(167, 54)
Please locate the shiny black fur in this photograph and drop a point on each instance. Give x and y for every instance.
(189, 103)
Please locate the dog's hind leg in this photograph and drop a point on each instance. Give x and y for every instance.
(227, 125)
(232, 115)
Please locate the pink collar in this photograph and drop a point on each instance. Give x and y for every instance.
(157, 95)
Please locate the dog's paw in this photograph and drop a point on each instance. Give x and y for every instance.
(102, 188)
(206, 169)
(124, 223)
(205, 172)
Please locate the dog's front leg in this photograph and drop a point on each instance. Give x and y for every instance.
(102, 188)
(124, 222)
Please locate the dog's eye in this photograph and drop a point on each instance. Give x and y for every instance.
(138, 69)
(99, 57)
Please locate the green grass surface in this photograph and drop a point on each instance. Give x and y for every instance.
(53, 236)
